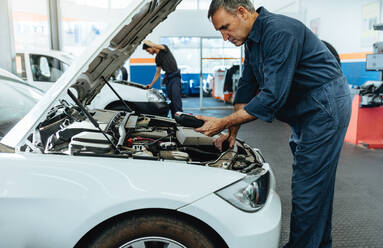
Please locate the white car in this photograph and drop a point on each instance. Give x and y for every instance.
(42, 68)
(73, 177)
(16, 99)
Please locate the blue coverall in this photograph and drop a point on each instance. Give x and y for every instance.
(290, 75)
(173, 87)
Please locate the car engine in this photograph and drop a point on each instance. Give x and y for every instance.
(68, 131)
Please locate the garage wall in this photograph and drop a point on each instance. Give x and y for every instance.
(340, 22)
(344, 30)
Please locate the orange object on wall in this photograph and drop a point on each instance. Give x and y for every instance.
(366, 126)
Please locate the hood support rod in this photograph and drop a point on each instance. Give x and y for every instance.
(119, 97)
(92, 120)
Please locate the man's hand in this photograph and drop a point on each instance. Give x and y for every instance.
(212, 125)
(229, 137)
(148, 86)
(148, 42)
(218, 142)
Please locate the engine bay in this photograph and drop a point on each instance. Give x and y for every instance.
(68, 131)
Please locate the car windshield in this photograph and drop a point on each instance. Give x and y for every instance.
(16, 100)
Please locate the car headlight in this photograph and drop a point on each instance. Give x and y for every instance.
(161, 95)
(248, 194)
(152, 97)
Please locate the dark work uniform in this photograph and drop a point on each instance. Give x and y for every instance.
(289, 74)
(172, 79)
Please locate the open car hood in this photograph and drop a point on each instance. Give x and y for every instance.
(89, 73)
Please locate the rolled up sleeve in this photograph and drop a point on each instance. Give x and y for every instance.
(247, 84)
(281, 56)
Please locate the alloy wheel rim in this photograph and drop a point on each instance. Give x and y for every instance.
(148, 242)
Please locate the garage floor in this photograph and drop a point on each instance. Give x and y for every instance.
(358, 203)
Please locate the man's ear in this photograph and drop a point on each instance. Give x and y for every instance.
(242, 12)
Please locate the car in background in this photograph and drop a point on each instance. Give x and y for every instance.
(71, 176)
(42, 68)
(16, 100)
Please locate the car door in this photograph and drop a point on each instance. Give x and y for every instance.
(45, 70)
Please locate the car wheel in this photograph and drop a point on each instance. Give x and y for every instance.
(152, 232)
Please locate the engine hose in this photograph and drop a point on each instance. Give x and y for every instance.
(155, 141)
(142, 139)
(198, 150)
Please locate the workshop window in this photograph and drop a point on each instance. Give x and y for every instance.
(186, 51)
(30, 24)
(216, 53)
(80, 28)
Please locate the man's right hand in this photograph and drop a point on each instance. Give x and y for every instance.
(219, 142)
(229, 138)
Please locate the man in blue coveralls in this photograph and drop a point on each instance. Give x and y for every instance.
(290, 75)
(172, 80)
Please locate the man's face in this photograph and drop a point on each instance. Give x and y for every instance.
(150, 50)
(232, 27)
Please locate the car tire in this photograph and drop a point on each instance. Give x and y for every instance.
(154, 231)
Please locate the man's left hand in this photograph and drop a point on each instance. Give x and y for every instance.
(212, 125)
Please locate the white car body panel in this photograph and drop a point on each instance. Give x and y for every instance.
(254, 230)
(128, 93)
(84, 192)
(7, 75)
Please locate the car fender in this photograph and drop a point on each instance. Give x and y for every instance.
(77, 193)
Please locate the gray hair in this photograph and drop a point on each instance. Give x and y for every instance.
(230, 6)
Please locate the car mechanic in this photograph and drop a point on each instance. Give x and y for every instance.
(289, 75)
(172, 80)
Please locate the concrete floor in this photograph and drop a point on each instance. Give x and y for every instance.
(358, 203)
